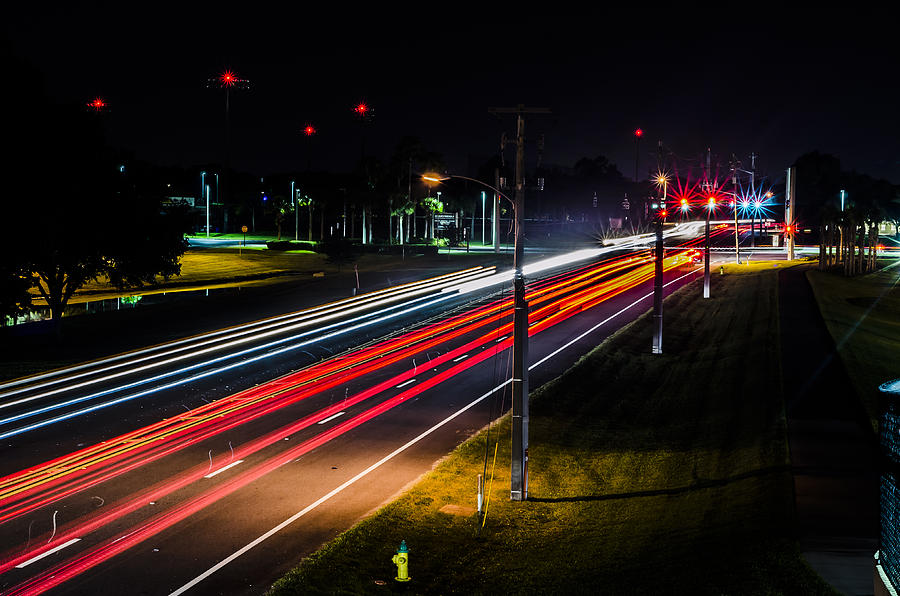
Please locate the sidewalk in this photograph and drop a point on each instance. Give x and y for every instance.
(833, 450)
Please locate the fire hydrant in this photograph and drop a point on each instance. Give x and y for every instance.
(401, 559)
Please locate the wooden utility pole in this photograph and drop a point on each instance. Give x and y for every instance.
(518, 490)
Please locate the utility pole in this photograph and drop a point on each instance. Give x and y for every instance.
(518, 490)
(755, 201)
(737, 239)
(661, 213)
(709, 207)
(790, 189)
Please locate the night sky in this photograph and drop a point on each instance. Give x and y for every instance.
(756, 80)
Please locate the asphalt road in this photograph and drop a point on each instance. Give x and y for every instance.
(219, 522)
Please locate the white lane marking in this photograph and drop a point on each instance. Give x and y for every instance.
(330, 418)
(220, 470)
(331, 494)
(463, 357)
(405, 383)
(603, 322)
(373, 467)
(47, 553)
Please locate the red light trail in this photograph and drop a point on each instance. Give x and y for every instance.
(554, 299)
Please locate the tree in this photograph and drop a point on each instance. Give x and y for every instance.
(339, 251)
(87, 217)
(15, 281)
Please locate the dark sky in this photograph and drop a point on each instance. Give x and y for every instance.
(760, 80)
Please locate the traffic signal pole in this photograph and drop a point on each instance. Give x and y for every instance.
(658, 279)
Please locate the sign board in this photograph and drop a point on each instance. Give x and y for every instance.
(173, 201)
(244, 229)
(443, 221)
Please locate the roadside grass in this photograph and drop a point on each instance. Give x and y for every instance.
(648, 474)
(863, 317)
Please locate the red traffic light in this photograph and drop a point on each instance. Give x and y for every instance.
(638, 133)
(309, 130)
(664, 213)
(361, 109)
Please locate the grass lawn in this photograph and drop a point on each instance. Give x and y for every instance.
(648, 474)
(863, 316)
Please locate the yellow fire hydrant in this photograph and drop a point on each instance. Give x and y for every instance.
(401, 560)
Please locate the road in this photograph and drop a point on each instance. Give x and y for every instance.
(227, 495)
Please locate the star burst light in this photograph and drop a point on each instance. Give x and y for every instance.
(229, 80)
(97, 104)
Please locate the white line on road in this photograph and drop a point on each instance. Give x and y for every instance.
(47, 553)
(378, 464)
(330, 418)
(463, 357)
(405, 383)
(220, 470)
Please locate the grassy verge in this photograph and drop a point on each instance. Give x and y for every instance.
(863, 316)
(648, 474)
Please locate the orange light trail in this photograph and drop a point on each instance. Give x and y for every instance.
(554, 300)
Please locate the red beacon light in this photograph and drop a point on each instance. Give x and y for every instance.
(638, 133)
(309, 130)
(361, 109)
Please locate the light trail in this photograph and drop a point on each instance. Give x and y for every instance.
(105, 453)
(168, 348)
(585, 295)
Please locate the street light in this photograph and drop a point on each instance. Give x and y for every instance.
(661, 180)
(519, 409)
(710, 205)
(483, 218)
(296, 209)
(202, 189)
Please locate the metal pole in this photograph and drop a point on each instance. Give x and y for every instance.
(789, 211)
(207, 210)
(658, 279)
(737, 242)
(519, 463)
(706, 256)
(737, 245)
(472, 227)
(296, 207)
(483, 218)
(496, 212)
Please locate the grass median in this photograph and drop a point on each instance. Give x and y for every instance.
(861, 316)
(648, 474)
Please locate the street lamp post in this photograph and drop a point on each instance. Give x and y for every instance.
(296, 209)
(207, 210)
(483, 218)
(658, 272)
(709, 207)
(519, 414)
